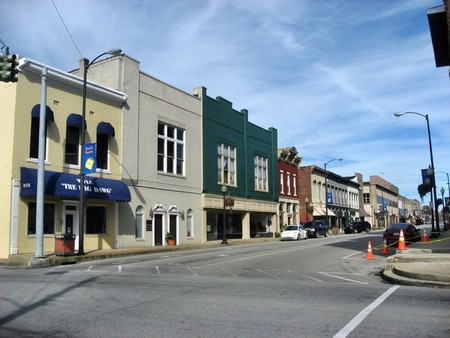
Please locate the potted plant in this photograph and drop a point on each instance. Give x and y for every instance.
(170, 239)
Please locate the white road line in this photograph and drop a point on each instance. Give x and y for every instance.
(268, 274)
(89, 269)
(157, 269)
(261, 255)
(345, 331)
(314, 279)
(119, 268)
(349, 280)
(229, 272)
(195, 274)
(353, 254)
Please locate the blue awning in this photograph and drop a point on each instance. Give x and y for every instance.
(67, 186)
(106, 129)
(36, 112)
(75, 120)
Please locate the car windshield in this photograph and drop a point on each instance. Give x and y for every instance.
(291, 227)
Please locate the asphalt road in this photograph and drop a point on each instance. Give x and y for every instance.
(312, 288)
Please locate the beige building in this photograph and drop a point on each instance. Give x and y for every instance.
(381, 201)
(20, 138)
(161, 161)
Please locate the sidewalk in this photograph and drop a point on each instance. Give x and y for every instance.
(424, 264)
(50, 259)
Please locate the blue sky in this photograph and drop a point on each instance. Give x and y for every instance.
(329, 75)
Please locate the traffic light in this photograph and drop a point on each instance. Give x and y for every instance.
(8, 68)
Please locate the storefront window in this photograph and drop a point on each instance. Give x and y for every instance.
(96, 220)
(49, 218)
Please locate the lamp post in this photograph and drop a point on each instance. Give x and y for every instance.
(224, 237)
(398, 114)
(443, 205)
(306, 208)
(326, 186)
(448, 188)
(87, 64)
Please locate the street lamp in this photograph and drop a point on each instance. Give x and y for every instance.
(224, 237)
(398, 114)
(326, 186)
(306, 208)
(443, 205)
(448, 188)
(87, 64)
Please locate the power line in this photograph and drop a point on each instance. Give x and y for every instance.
(67, 29)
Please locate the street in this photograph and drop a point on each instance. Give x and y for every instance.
(311, 288)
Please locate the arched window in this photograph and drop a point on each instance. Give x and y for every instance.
(73, 127)
(140, 222)
(104, 131)
(34, 135)
(190, 223)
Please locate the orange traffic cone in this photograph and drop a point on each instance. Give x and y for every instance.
(401, 241)
(385, 248)
(369, 255)
(425, 238)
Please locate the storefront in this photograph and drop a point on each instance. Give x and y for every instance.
(61, 210)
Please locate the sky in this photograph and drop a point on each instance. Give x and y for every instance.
(328, 75)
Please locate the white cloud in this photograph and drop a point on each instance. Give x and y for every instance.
(327, 74)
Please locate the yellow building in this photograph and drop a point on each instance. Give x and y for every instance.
(19, 120)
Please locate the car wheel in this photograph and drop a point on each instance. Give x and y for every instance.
(316, 234)
(298, 237)
(325, 234)
(306, 236)
(367, 229)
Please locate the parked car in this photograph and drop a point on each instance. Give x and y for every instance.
(410, 233)
(316, 228)
(294, 232)
(358, 227)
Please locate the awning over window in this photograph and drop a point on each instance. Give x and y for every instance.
(317, 211)
(75, 120)
(36, 112)
(105, 128)
(67, 186)
(363, 213)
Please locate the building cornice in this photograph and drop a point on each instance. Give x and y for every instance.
(30, 67)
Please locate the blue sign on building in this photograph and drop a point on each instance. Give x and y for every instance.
(88, 159)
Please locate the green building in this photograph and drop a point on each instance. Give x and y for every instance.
(240, 172)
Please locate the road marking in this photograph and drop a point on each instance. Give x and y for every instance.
(314, 279)
(268, 274)
(345, 331)
(194, 273)
(157, 269)
(349, 280)
(229, 272)
(353, 254)
(119, 268)
(89, 269)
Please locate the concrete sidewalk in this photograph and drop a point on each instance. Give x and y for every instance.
(424, 264)
(50, 259)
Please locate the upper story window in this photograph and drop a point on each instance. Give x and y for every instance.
(366, 197)
(73, 129)
(226, 164)
(281, 182)
(170, 149)
(288, 183)
(104, 131)
(261, 180)
(34, 135)
(294, 184)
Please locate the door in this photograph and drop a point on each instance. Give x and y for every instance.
(158, 228)
(70, 222)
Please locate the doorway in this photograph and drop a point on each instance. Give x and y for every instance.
(70, 222)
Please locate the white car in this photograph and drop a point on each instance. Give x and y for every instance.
(294, 232)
